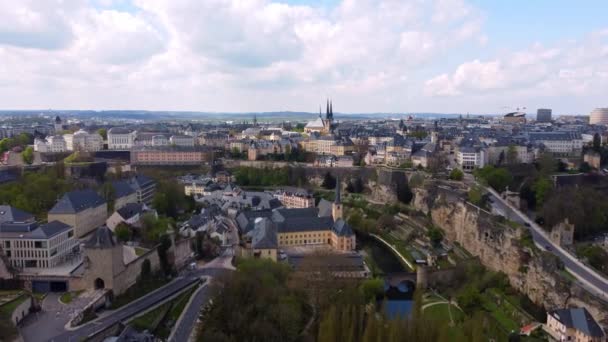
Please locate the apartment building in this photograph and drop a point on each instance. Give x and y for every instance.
(52, 144)
(574, 324)
(28, 244)
(295, 198)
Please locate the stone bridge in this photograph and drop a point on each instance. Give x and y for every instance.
(423, 277)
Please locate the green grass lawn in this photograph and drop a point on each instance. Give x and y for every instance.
(140, 251)
(67, 297)
(138, 290)
(149, 320)
(161, 320)
(499, 314)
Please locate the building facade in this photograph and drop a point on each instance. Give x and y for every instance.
(28, 244)
(599, 116)
(120, 138)
(169, 155)
(543, 115)
(82, 140)
(84, 210)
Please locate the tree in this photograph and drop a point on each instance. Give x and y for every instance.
(123, 232)
(456, 174)
(546, 164)
(109, 194)
(435, 235)
(386, 222)
(28, 155)
(329, 181)
(103, 132)
(146, 269)
(512, 154)
(372, 289)
(163, 254)
(542, 187)
(497, 178)
(355, 185)
(597, 142)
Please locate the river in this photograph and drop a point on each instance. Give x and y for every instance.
(397, 300)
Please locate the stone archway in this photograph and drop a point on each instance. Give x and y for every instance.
(99, 284)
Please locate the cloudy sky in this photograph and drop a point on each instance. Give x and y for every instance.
(478, 56)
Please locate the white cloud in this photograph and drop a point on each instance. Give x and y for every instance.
(369, 55)
(573, 68)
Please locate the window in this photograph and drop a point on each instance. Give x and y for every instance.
(70, 233)
(7, 244)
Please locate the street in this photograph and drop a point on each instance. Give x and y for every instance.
(589, 278)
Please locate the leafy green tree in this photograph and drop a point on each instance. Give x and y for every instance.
(497, 178)
(103, 132)
(123, 232)
(584, 167)
(108, 193)
(512, 154)
(546, 164)
(456, 174)
(542, 188)
(28, 155)
(435, 235)
(372, 289)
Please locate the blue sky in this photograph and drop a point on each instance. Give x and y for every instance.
(476, 56)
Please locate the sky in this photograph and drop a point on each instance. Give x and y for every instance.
(398, 56)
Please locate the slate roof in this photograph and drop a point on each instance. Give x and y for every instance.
(341, 228)
(76, 201)
(264, 235)
(32, 230)
(122, 188)
(325, 208)
(579, 319)
(245, 219)
(102, 238)
(140, 182)
(12, 214)
(130, 210)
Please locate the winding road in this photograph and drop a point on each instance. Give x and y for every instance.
(588, 277)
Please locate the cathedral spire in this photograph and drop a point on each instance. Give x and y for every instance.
(327, 110)
(331, 110)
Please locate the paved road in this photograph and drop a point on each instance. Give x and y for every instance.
(128, 310)
(592, 281)
(185, 326)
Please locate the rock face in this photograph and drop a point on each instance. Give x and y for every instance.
(499, 247)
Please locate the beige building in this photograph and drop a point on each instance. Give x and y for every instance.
(105, 266)
(295, 198)
(574, 324)
(84, 210)
(323, 226)
(594, 159)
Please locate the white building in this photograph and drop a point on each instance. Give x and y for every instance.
(28, 244)
(54, 144)
(558, 143)
(120, 138)
(83, 141)
(470, 157)
(182, 140)
(160, 140)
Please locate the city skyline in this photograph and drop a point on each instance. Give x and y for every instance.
(368, 56)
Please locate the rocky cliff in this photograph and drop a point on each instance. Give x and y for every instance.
(501, 247)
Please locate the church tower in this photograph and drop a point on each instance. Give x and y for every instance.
(336, 207)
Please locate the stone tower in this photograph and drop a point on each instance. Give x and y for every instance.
(104, 260)
(336, 208)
